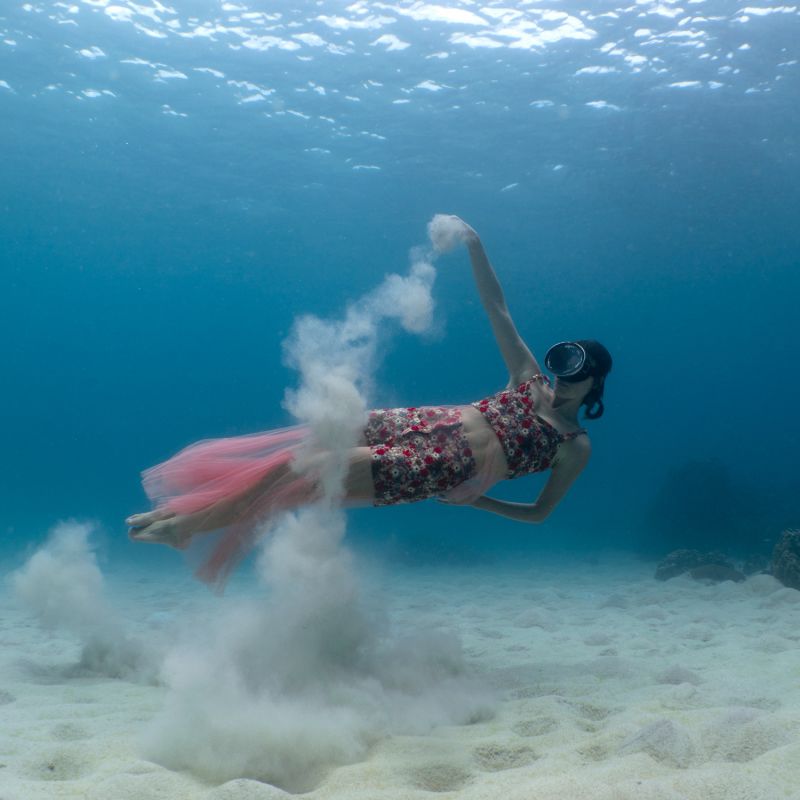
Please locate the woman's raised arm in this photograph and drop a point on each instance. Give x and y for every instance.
(519, 360)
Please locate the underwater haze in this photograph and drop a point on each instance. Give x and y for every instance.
(180, 180)
(202, 199)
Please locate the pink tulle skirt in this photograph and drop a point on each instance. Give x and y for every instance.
(254, 472)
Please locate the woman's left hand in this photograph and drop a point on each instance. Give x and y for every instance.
(469, 233)
(447, 231)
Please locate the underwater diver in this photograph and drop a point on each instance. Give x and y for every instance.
(454, 453)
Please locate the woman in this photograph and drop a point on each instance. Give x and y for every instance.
(454, 453)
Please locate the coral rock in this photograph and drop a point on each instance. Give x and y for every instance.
(786, 559)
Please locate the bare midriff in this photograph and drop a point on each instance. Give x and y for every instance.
(486, 447)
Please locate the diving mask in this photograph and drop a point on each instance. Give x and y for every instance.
(568, 361)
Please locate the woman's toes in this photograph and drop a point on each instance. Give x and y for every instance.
(149, 517)
(141, 533)
(161, 532)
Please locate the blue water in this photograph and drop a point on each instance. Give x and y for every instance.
(180, 181)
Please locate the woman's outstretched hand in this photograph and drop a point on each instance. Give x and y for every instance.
(447, 231)
(469, 233)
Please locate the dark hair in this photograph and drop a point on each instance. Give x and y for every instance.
(601, 363)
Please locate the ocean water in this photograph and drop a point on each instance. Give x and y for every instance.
(181, 181)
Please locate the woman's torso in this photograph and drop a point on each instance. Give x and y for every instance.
(492, 429)
(516, 432)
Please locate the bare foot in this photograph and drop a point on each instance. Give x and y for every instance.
(163, 531)
(149, 517)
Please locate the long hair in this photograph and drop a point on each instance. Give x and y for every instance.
(601, 363)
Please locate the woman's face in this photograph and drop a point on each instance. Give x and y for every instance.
(569, 390)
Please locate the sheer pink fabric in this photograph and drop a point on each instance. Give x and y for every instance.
(253, 472)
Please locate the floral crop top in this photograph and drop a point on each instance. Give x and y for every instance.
(529, 442)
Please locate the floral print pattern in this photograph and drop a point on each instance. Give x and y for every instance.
(417, 453)
(529, 442)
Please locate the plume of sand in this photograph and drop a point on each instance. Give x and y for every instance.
(62, 586)
(283, 688)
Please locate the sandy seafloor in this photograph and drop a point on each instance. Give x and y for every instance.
(610, 685)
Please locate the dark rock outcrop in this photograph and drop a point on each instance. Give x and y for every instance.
(786, 559)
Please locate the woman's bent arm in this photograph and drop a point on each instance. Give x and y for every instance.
(520, 512)
(568, 466)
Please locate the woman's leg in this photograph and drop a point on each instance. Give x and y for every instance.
(165, 527)
(358, 483)
(176, 530)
